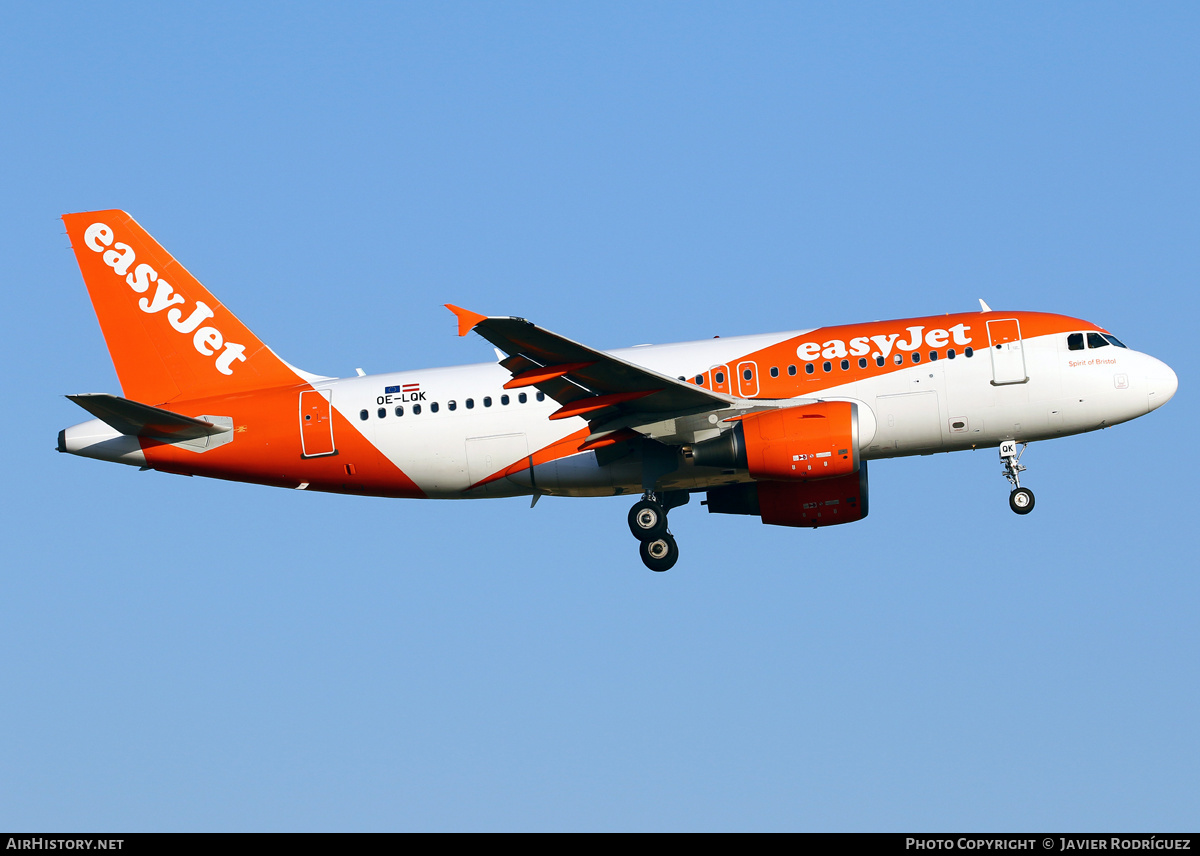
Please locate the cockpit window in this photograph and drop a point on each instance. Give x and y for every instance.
(1075, 342)
(1095, 340)
(1113, 340)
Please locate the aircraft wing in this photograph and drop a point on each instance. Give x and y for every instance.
(586, 382)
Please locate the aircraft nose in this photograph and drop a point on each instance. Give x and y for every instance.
(1161, 384)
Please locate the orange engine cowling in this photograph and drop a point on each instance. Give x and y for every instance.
(812, 441)
(819, 503)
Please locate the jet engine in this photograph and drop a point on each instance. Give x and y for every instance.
(804, 461)
(812, 441)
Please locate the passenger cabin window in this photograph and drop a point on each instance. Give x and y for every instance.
(452, 404)
(433, 407)
(827, 366)
(416, 410)
(363, 415)
(487, 401)
(504, 399)
(470, 404)
(968, 352)
(916, 357)
(845, 365)
(808, 368)
(774, 371)
(879, 361)
(720, 377)
(541, 396)
(950, 354)
(522, 398)
(382, 412)
(792, 370)
(1075, 342)
(862, 362)
(399, 411)
(747, 374)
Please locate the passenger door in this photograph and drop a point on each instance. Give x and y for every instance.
(1008, 357)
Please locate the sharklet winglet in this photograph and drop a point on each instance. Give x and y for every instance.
(466, 318)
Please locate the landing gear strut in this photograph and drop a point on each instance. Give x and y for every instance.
(1021, 498)
(648, 523)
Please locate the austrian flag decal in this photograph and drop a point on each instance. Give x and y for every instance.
(403, 393)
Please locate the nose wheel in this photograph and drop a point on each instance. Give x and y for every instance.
(1021, 498)
(648, 523)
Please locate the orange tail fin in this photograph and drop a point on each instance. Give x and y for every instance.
(168, 336)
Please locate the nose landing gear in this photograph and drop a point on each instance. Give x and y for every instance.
(1021, 498)
(648, 523)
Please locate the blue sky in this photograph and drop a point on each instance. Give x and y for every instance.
(182, 654)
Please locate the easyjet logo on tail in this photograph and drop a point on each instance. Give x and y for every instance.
(207, 340)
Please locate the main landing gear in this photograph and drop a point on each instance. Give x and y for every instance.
(648, 523)
(1021, 498)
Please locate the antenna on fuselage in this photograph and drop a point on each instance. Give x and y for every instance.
(983, 307)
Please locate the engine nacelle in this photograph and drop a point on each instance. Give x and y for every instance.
(818, 503)
(812, 441)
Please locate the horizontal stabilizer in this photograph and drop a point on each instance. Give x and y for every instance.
(142, 420)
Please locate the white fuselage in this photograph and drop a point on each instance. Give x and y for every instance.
(932, 406)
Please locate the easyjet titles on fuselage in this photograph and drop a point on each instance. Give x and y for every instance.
(860, 346)
(206, 340)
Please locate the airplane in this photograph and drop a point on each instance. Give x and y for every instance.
(778, 426)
